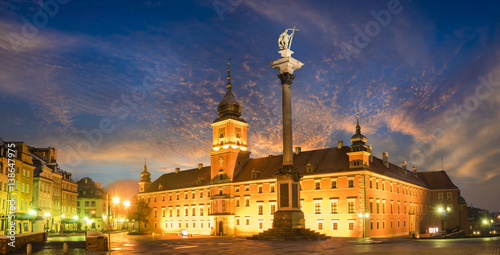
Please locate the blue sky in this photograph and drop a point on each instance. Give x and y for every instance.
(425, 82)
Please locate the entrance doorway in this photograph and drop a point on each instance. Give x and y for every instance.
(221, 232)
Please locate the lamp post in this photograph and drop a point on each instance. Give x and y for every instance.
(444, 213)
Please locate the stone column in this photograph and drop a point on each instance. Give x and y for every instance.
(286, 84)
(288, 215)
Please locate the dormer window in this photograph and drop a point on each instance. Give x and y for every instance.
(254, 174)
(199, 181)
(310, 168)
(160, 187)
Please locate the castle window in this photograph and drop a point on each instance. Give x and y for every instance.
(351, 182)
(334, 183)
(237, 189)
(310, 168)
(247, 221)
(350, 206)
(169, 197)
(237, 220)
(177, 196)
(272, 188)
(320, 224)
(260, 188)
(317, 184)
(201, 210)
(162, 197)
(194, 211)
(247, 201)
(260, 209)
(334, 204)
(448, 195)
(335, 224)
(247, 188)
(317, 206)
(160, 187)
(201, 193)
(237, 202)
(193, 193)
(273, 208)
(185, 195)
(261, 224)
(351, 224)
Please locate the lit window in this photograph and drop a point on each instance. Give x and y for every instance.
(334, 183)
(334, 204)
(237, 202)
(317, 207)
(261, 224)
(201, 210)
(351, 224)
(261, 209)
(351, 183)
(350, 206)
(335, 225)
(247, 201)
(237, 220)
(247, 221)
(320, 224)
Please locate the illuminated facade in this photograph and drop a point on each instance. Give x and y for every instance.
(344, 191)
(91, 205)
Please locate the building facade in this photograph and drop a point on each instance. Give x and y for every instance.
(92, 206)
(344, 191)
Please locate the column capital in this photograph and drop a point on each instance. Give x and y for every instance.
(286, 78)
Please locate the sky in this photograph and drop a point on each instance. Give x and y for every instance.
(110, 83)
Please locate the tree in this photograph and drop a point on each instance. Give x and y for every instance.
(141, 212)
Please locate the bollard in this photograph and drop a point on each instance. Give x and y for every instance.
(65, 247)
(28, 248)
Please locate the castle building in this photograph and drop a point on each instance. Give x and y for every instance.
(345, 191)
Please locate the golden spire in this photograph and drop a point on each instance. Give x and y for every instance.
(228, 85)
(145, 167)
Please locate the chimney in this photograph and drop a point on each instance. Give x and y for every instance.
(200, 165)
(403, 167)
(385, 157)
(340, 144)
(415, 171)
(370, 151)
(177, 170)
(298, 150)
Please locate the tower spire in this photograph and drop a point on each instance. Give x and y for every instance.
(358, 127)
(228, 85)
(145, 166)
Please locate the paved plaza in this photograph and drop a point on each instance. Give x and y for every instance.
(121, 243)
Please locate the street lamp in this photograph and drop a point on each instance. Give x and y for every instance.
(444, 212)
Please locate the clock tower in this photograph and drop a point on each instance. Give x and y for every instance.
(229, 138)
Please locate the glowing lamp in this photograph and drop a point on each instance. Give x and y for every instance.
(216, 148)
(32, 212)
(225, 146)
(243, 148)
(62, 216)
(46, 214)
(75, 217)
(234, 146)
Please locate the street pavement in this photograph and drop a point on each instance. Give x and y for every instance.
(121, 243)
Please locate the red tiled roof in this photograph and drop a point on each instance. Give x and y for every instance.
(437, 180)
(330, 160)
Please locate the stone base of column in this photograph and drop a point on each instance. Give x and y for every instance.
(289, 219)
(288, 226)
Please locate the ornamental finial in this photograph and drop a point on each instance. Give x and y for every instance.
(228, 85)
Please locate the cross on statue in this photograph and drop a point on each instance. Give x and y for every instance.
(285, 39)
